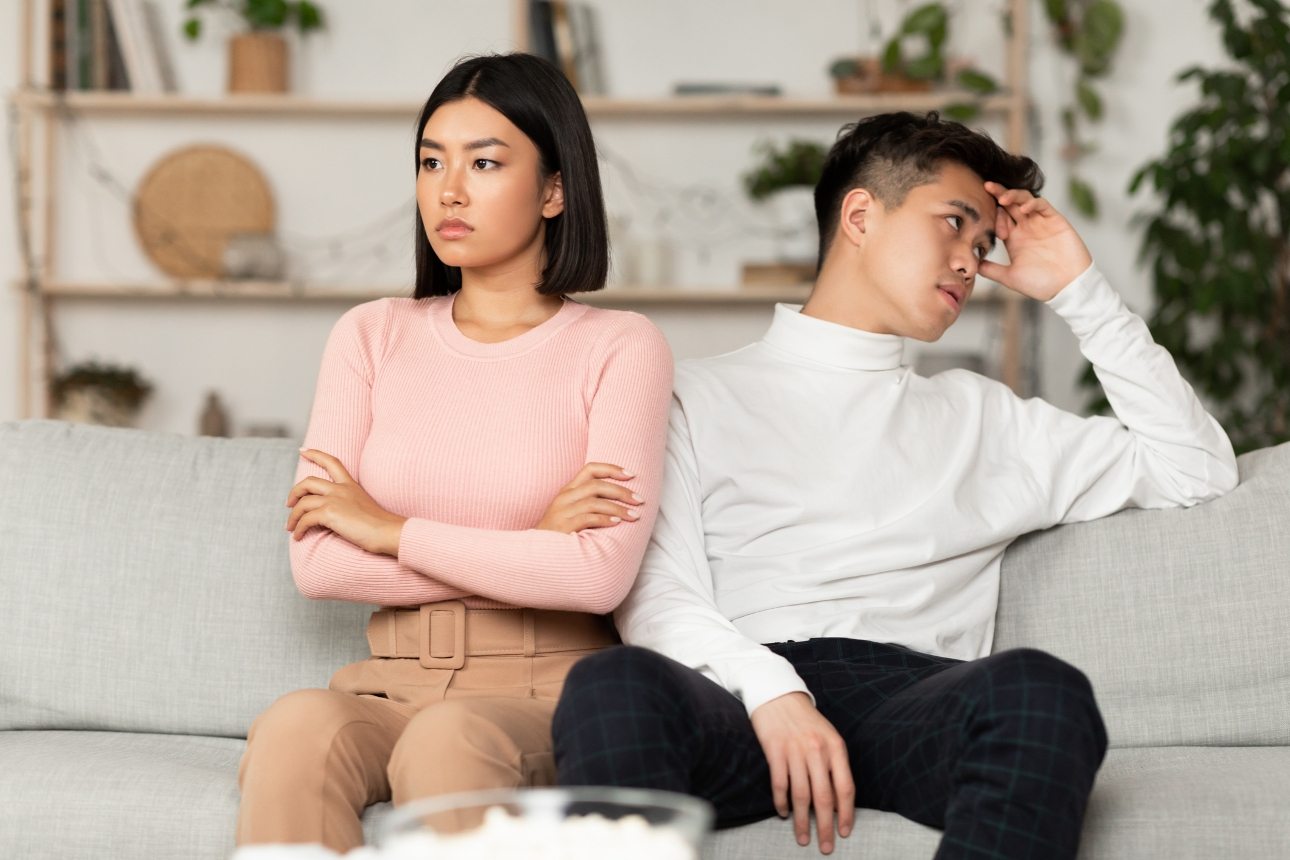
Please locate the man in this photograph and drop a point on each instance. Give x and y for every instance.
(822, 498)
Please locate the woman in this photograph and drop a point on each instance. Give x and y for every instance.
(485, 446)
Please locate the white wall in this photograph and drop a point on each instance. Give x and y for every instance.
(333, 176)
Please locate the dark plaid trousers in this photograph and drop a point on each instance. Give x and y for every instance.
(1000, 752)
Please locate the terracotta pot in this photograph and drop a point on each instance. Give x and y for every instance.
(257, 63)
(870, 78)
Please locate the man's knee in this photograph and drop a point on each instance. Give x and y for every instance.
(621, 675)
(1033, 685)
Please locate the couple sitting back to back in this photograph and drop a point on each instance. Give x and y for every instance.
(800, 540)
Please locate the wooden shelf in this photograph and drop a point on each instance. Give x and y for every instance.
(618, 296)
(682, 107)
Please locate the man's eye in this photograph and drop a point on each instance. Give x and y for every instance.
(956, 221)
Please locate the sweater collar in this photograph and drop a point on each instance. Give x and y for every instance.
(831, 343)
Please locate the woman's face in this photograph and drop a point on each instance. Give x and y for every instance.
(480, 191)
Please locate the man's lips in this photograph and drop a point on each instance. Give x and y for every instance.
(955, 294)
(453, 228)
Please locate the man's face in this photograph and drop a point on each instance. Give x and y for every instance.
(919, 261)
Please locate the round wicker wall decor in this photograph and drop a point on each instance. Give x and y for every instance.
(191, 201)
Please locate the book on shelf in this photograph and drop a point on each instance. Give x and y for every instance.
(84, 47)
(565, 33)
(146, 63)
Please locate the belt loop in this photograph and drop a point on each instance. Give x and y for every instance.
(455, 612)
(392, 631)
(530, 639)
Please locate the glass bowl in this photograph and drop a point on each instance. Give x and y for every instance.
(548, 824)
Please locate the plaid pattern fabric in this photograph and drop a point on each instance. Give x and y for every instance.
(1000, 752)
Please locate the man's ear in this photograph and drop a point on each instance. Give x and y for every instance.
(857, 209)
(553, 196)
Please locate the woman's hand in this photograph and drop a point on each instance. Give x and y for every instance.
(588, 502)
(343, 507)
(1045, 252)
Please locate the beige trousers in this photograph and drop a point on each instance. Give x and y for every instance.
(390, 728)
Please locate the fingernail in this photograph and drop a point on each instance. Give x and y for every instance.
(627, 474)
(615, 519)
(637, 498)
(633, 514)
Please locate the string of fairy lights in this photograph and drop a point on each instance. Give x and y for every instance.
(696, 218)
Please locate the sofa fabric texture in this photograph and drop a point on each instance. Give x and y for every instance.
(147, 615)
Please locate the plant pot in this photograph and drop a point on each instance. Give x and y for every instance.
(796, 234)
(257, 63)
(90, 405)
(870, 78)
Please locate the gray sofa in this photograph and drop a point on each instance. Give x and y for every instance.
(147, 615)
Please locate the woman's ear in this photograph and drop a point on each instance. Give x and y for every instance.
(553, 195)
(857, 207)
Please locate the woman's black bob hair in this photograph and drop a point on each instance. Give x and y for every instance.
(540, 101)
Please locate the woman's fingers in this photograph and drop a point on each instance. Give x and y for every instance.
(304, 506)
(603, 490)
(599, 470)
(315, 486)
(334, 468)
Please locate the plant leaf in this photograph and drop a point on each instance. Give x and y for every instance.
(1083, 197)
(977, 82)
(1089, 100)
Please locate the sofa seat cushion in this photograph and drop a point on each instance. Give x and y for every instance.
(129, 795)
(1184, 803)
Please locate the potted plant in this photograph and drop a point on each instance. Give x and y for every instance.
(784, 180)
(257, 59)
(1217, 244)
(94, 393)
(897, 70)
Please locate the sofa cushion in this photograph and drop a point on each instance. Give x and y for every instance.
(164, 796)
(1184, 803)
(1179, 617)
(145, 586)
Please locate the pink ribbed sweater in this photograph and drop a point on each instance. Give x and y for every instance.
(472, 441)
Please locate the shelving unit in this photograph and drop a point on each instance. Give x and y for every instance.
(39, 115)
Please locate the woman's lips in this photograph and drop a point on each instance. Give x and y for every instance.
(454, 228)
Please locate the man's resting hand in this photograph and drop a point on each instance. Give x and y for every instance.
(808, 766)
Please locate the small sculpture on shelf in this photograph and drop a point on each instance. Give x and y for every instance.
(94, 393)
(214, 418)
(784, 181)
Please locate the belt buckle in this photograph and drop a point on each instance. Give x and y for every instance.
(458, 658)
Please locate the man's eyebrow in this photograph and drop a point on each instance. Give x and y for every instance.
(427, 143)
(970, 211)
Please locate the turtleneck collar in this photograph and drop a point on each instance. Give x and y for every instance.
(831, 343)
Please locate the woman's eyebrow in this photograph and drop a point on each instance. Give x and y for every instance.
(484, 143)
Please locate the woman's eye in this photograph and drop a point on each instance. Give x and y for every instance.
(483, 163)
(430, 163)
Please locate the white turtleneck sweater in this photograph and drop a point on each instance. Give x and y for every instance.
(815, 486)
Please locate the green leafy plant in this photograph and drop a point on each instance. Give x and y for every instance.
(258, 15)
(121, 385)
(927, 28)
(799, 162)
(1219, 244)
(1089, 32)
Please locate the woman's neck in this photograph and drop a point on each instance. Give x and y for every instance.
(490, 313)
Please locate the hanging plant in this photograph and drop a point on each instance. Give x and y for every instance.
(1089, 32)
(1219, 245)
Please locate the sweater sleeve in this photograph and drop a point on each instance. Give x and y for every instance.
(324, 564)
(672, 608)
(591, 570)
(1162, 449)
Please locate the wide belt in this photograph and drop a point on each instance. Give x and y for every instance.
(442, 635)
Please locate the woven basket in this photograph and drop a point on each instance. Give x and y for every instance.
(191, 201)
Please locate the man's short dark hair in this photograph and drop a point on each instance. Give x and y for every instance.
(893, 153)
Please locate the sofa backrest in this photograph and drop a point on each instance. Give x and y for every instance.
(145, 586)
(1180, 618)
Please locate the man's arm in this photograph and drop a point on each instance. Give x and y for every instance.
(672, 609)
(1162, 449)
